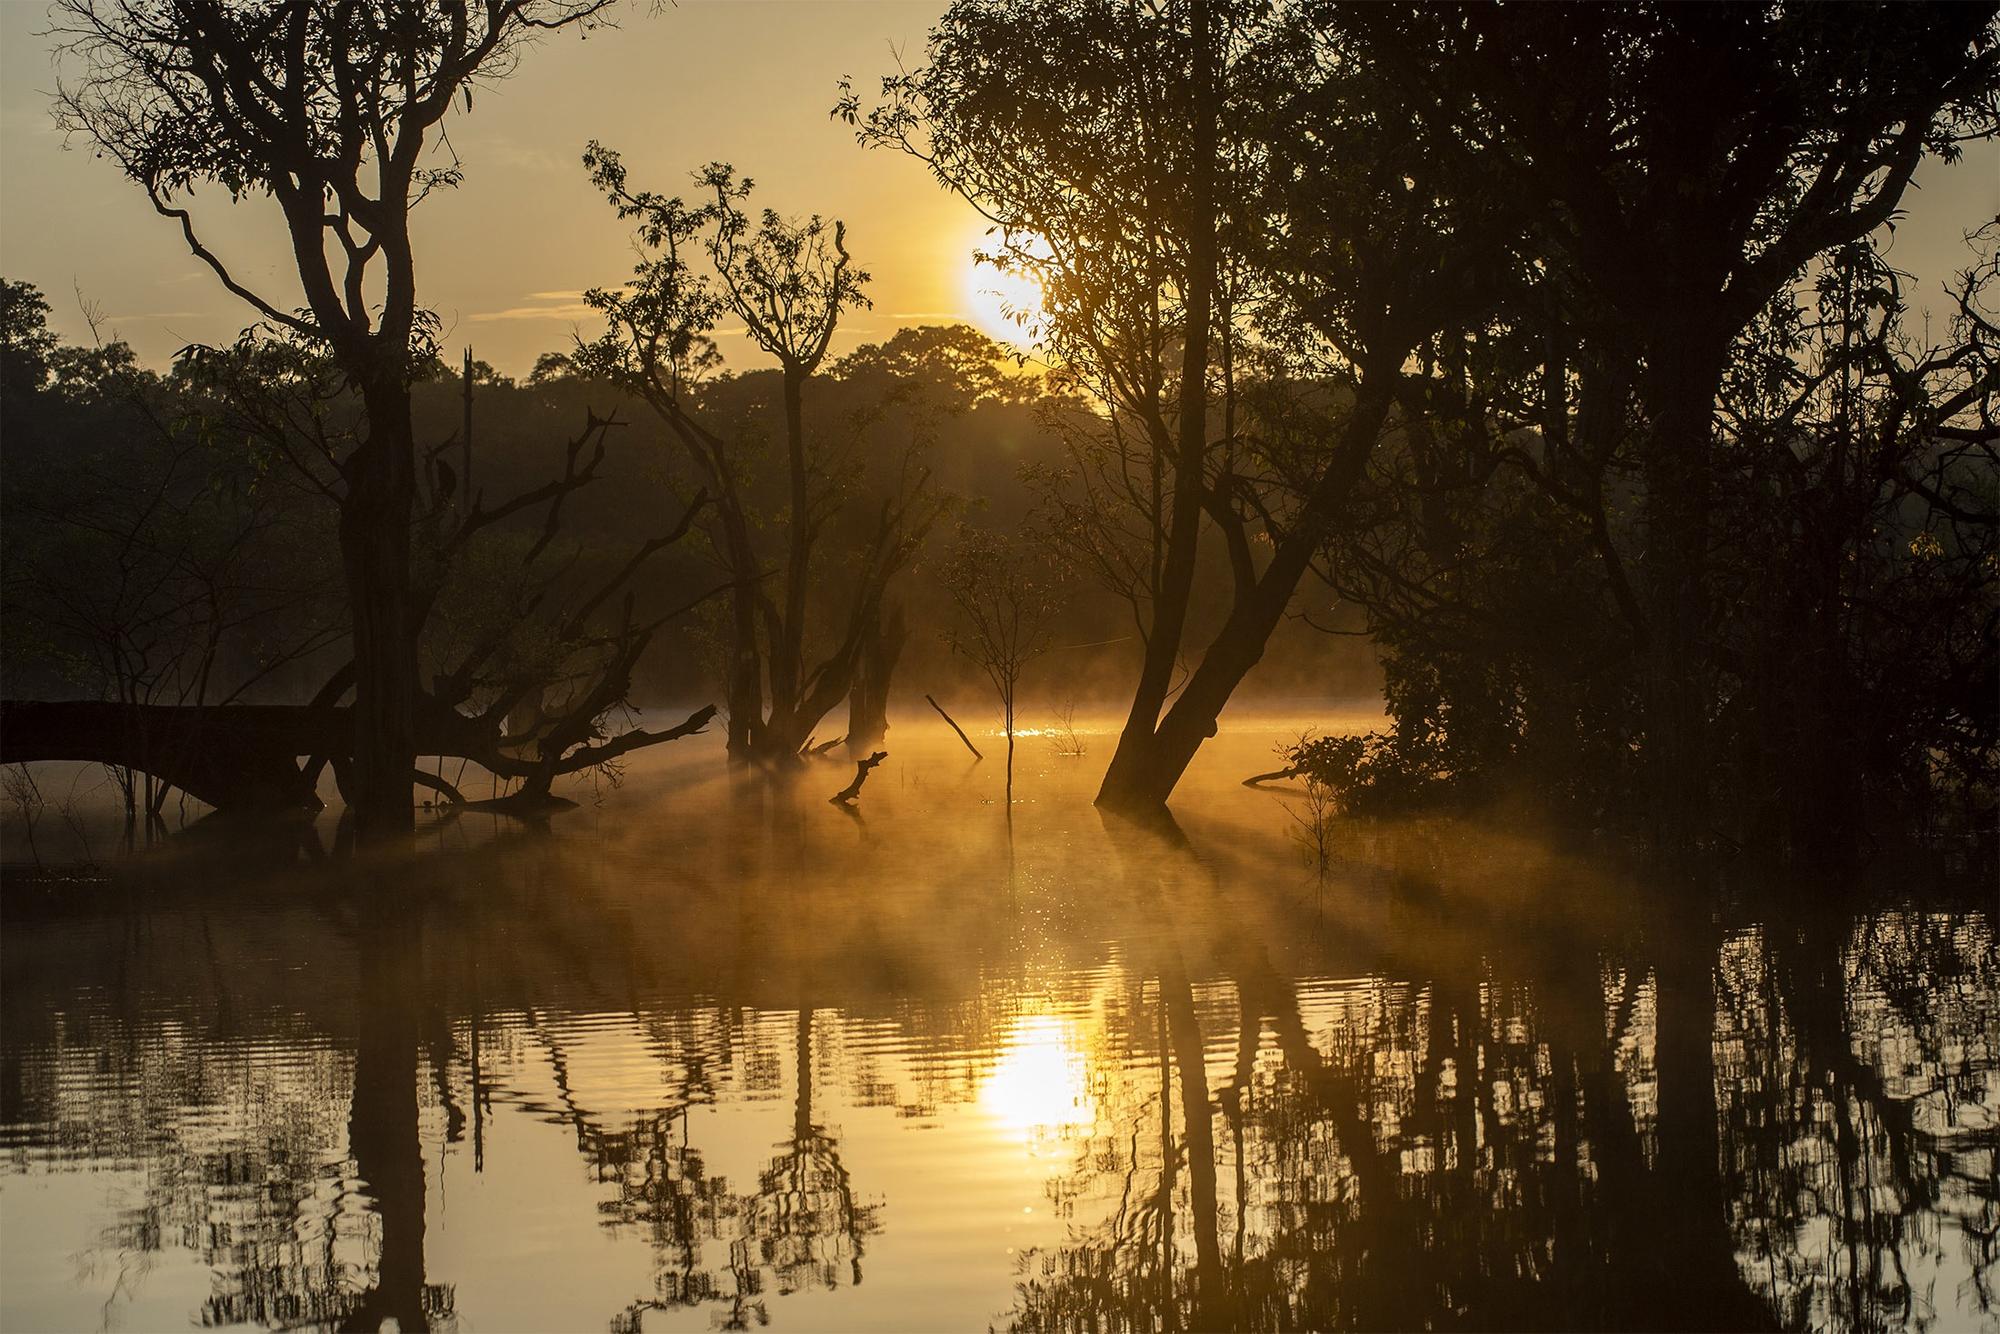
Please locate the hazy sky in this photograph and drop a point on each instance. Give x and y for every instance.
(504, 258)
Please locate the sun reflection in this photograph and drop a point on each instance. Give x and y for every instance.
(1040, 1086)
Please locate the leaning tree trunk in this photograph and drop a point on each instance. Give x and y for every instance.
(1162, 754)
(1129, 775)
(375, 557)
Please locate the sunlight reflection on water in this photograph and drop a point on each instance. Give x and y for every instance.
(704, 1054)
(1040, 1085)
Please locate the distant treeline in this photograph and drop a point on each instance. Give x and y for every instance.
(157, 551)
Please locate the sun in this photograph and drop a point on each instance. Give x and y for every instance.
(1006, 303)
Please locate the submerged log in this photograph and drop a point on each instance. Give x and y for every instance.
(235, 757)
(245, 757)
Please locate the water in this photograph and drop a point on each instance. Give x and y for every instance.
(702, 1055)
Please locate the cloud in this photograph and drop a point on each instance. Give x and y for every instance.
(557, 306)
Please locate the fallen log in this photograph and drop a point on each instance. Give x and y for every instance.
(234, 757)
(245, 757)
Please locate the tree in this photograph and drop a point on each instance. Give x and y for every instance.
(327, 107)
(924, 380)
(1087, 134)
(26, 341)
(1189, 181)
(527, 655)
(1006, 598)
(789, 284)
(1676, 169)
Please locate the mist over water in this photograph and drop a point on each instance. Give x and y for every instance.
(709, 1053)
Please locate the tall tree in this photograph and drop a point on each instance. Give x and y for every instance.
(328, 107)
(1193, 181)
(1676, 167)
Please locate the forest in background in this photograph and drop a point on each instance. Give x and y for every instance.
(107, 449)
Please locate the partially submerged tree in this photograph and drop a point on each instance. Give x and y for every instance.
(506, 620)
(1674, 169)
(1187, 180)
(329, 108)
(788, 284)
(1006, 596)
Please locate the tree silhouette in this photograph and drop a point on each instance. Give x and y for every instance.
(789, 284)
(327, 107)
(1006, 599)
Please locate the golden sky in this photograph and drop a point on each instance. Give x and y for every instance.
(504, 258)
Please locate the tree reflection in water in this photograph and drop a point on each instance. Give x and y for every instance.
(1792, 1125)
(1418, 1111)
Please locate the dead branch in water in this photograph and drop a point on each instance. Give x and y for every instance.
(955, 727)
(861, 768)
(1275, 776)
(439, 784)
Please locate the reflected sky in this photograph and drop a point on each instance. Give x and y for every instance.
(708, 1055)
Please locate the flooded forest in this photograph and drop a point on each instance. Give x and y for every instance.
(1376, 705)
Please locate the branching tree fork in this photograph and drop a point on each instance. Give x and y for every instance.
(329, 108)
(789, 284)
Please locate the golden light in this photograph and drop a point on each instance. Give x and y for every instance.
(1040, 1086)
(1005, 302)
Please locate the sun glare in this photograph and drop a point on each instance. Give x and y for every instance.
(1041, 1084)
(1006, 303)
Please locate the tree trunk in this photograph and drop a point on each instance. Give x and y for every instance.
(1162, 755)
(1133, 757)
(375, 557)
(237, 757)
(1680, 386)
(1008, 706)
(788, 644)
(868, 701)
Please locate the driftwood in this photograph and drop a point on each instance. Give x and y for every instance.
(861, 768)
(955, 727)
(526, 802)
(1275, 776)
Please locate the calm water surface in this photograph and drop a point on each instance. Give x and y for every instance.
(708, 1056)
